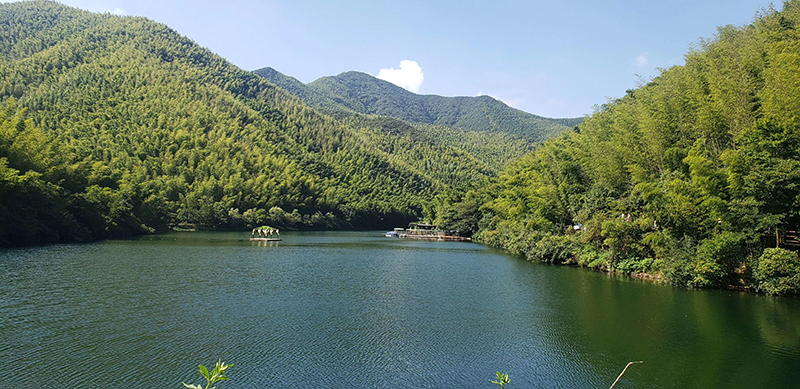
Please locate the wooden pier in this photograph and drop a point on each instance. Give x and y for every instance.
(788, 238)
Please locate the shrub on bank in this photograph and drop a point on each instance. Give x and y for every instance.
(778, 272)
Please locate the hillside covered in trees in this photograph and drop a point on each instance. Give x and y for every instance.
(469, 128)
(112, 126)
(694, 177)
(356, 92)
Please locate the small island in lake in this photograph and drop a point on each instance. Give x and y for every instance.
(266, 234)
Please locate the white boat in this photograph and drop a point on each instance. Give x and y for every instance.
(395, 233)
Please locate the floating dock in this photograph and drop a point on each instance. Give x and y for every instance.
(431, 232)
(439, 238)
(266, 239)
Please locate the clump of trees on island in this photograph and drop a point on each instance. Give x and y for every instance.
(693, 177)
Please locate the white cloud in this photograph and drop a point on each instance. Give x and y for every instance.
(642, 60)
(492, 96)
(116, 11)
(409, 76)
(511, 102)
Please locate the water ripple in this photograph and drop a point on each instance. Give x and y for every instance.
(353, 310)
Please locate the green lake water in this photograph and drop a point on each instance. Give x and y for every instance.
(355, 309)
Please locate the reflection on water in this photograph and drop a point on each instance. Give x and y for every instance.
(356, 309)
(264, 243)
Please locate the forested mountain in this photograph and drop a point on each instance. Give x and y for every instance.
(458, 157)
(112, 126)
(363, 93)
(492, 151)
(694, 177)
(471, 135)
(309, 95)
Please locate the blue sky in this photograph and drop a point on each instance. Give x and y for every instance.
(551, 58)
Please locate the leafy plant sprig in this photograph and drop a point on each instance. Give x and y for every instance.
(502, 380)
(212, 377)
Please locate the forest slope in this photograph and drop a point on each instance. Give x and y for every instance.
(392, 117)
(694, 177)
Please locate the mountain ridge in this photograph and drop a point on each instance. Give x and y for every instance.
(363, 93)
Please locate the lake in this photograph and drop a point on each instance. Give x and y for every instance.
(356, 309)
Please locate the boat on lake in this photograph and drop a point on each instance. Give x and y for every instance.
(395, 234)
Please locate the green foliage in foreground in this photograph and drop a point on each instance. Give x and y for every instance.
(688, 178)
(218, 374)
(212, 377)
(501, 380)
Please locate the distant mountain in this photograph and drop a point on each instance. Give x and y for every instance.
(365, 94)
(485, 146)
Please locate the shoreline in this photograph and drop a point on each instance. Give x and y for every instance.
(650, 277)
